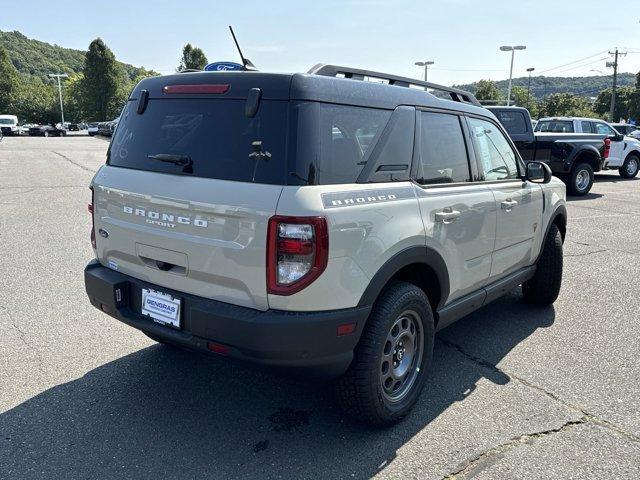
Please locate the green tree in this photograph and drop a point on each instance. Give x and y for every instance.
(37, 102)
(520, 98)
(9, 82)
(487, 90)
(602, 104)
(192, 58)
(142, 74)
(565, 105)
(634, 101)
(104, 83)
(73, 98)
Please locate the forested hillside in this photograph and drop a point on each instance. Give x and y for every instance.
(35, 58)
(542, 86)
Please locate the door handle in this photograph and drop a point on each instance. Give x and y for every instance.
(447, 215)
(508, 204)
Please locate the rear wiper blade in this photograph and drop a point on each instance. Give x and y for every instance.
(181, 160)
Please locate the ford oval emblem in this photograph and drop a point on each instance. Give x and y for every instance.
(223, 67)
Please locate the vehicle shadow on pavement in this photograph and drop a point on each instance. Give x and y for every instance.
(166, 413)
(612, 178)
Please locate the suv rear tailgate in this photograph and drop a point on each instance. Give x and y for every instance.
(201, 236)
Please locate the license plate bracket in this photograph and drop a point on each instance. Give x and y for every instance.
(161, 307)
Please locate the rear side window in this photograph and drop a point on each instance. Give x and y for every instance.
(587, 127)
(555, 126)
(497, 158)
(213, 134)
(513, 122)
(333, 141)
(443, 152)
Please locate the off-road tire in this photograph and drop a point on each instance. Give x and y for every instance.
(360, 391)
(543, 288)
(574, 186)
(627, 170)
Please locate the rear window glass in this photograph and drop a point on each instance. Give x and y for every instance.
(555, 126)
(213, 134)
(513, 122)
(334, 141)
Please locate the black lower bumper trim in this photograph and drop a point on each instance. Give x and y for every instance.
(305, 341)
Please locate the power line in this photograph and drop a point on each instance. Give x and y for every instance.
(582, 65)
(575, 61)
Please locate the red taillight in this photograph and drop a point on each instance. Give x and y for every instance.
(93, 227)
(297, 252)
(218, 348)
(346, 329)
(295, 247)
(607, 147)
(204, 88)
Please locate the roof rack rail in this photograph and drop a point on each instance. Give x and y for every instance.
(358, 74)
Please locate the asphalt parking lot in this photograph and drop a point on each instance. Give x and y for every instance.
(517, 392)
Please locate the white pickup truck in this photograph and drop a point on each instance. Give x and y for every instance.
(9, 125)
(624, 151)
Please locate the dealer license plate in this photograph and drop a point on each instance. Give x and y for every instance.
(161, 307)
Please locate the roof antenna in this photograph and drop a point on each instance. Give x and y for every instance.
(245, 61)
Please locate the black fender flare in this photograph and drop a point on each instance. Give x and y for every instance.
(561, 210)
(412, 255)
(586, 150)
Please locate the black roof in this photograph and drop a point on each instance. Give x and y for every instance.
(311, 87)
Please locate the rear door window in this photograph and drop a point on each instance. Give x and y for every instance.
(587, 127)
(514, 122)
(214, 134)
(443, 151)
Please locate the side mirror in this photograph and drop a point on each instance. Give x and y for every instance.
(538, 172)
(619, 137)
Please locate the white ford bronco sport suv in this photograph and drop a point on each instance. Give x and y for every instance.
(320, 222)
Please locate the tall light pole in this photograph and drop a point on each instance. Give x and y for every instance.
(59, 76)
(530, 69)
(425, 64)
(512, 49)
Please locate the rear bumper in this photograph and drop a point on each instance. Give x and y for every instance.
(301, 341)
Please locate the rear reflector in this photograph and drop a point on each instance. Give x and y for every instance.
(217, 348)
(203, 88)
(346, 329)
(105, 308)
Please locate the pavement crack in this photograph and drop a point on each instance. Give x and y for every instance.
(79, 165)
(586, 415)
(585, 254)
(24, 338)
(601, 249)
(486, 457)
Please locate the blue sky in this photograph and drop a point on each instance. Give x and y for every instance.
(462, 37)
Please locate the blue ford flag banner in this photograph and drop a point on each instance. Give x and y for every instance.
(223, 67)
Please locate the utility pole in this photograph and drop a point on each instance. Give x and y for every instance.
(614, 64)
(530, 69)
(59, 76)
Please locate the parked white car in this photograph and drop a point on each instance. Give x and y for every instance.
(624, 151)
